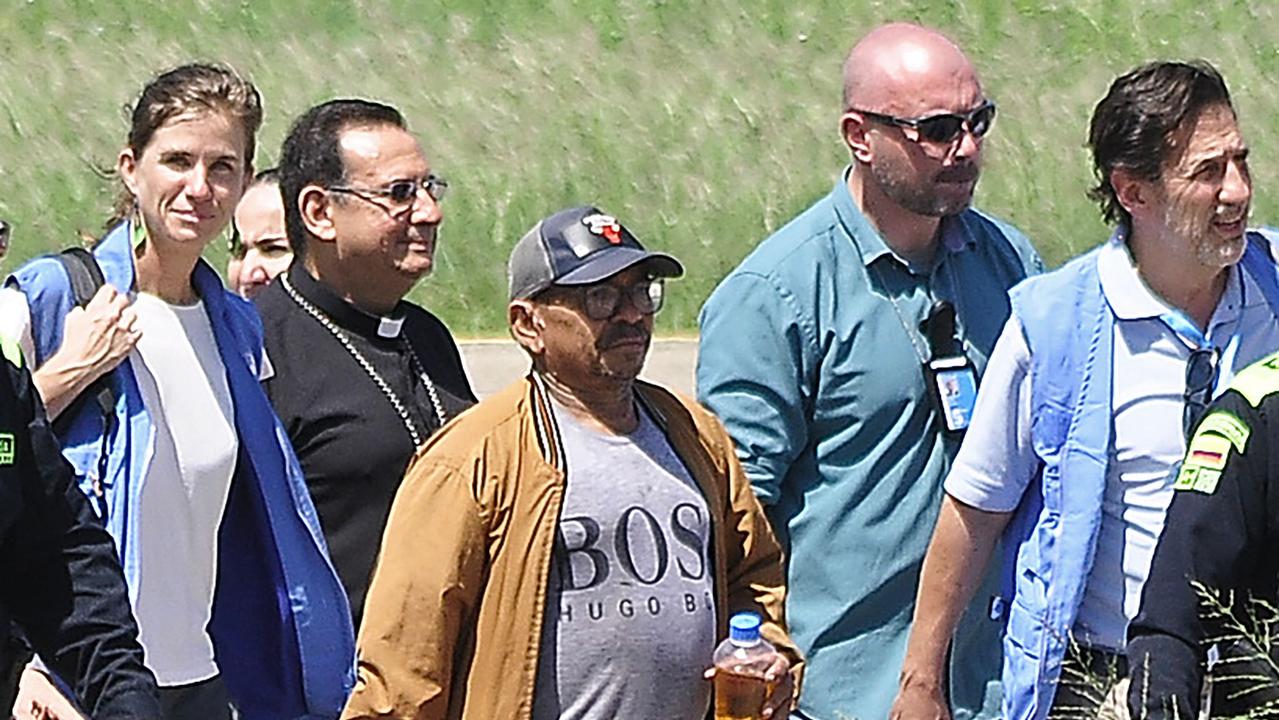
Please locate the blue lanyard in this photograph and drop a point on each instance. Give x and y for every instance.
(1225, 357)
(1178, 323)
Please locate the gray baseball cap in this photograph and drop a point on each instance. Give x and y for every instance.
(579, 246)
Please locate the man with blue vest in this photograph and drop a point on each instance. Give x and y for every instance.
(866, 322)
(1098, 376)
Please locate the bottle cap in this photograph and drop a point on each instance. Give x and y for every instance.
(743, 629)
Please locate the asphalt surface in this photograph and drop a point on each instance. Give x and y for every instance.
(493, 364)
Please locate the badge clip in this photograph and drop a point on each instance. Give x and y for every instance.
(952, 375)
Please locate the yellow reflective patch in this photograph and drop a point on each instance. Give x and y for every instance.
(1258, 380)
(11, 350)
(1198, 479)
(1186, 477)
(1227, 425)
(1208, 451)
(1206, 483)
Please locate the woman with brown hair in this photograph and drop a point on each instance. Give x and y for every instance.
(154, 389)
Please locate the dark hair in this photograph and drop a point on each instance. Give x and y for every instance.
(311, 155)
(1138, 125)
(193, 88)
(267, 177)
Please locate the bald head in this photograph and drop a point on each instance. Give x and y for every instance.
(908, 70)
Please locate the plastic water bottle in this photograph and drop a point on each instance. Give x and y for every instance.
(740, 663)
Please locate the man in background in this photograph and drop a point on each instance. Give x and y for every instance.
(259, 246)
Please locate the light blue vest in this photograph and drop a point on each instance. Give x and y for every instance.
(1052, 538)
(281, 625)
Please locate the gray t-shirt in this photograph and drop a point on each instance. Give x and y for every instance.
(630, 610)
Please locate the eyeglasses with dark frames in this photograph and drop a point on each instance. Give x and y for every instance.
(400, 194)
(1201, 375)
(941, 128)
(600, 302)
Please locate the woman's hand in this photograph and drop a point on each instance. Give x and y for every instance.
(95, 339)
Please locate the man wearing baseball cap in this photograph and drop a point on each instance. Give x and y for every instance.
(574, 545)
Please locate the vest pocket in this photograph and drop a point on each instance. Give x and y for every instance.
(1048, 426)
(1025, 628)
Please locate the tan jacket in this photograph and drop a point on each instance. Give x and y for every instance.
(453, 621)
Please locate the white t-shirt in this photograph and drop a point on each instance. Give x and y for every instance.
(996, 462)
(184, 388)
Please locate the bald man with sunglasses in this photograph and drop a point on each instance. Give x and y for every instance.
(867, 322)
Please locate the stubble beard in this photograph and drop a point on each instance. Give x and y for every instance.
(919, 196)
(1209, 248)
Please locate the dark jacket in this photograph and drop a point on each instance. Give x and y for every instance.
(60, 580)
(1214, 579)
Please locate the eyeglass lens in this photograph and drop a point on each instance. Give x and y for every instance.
(405, 191)
(603, 300)
(944, 128)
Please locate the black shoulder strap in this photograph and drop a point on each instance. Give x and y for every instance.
(86, 275)
(86, 279)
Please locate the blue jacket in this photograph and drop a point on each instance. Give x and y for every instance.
(1052, 537)
(281, 626)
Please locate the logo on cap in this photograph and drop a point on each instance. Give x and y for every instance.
(606, 226)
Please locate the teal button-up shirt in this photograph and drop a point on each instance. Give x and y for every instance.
(811, 355)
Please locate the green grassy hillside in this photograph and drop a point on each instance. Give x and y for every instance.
(703, 125)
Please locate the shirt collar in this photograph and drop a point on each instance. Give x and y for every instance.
(346, 315)
(955, 234)
(1131, 299)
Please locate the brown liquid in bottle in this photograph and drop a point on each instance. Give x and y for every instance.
(739, 697)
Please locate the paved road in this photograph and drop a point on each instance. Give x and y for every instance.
(492, 364)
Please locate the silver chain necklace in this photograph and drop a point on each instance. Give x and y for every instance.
(396, 403)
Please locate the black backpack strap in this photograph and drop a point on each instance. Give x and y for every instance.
(84, 271)
(86, 279)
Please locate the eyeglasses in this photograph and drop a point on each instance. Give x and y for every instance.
(399, 195)
(1201, 373)
(601, 301)
(943, 127)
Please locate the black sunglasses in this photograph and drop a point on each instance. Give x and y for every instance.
(1201, 374)
(943, 127)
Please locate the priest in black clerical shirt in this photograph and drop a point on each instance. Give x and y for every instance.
(359, 376)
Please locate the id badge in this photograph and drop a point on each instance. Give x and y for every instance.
(955, 385)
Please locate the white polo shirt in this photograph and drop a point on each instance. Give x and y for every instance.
(996, 463)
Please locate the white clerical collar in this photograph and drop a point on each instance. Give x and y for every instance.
(389, 327)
